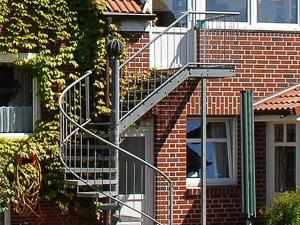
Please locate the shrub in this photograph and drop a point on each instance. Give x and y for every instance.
(285, 210)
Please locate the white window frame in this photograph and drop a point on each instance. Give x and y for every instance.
(270, 155)
(253, 23)
(36, 112)
(231, 146)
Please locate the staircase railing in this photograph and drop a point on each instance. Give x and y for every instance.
(90, 158)
(204, 39)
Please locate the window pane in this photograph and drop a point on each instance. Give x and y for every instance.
(167, 11)
(213, 129)
(279, 11)
(9, 86)
(216, 130)
(193, 129)
(229, 6)
(15, 99)
(285, 168)
(291, 132)
(216, 162)
(278, 133)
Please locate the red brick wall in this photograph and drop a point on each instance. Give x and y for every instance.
(135, 41)
(223, 202)
(267, 63)
(49, 214)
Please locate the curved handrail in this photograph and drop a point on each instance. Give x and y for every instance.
(99, 138)
(81, 127)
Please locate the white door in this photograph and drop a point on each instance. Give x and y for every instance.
(283, 157)
(136, 180)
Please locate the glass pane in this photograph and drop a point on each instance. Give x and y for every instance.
(132, 175)
(291, 132)
(15, 86)
(216, 162)
(285, 168)
(229, 6)
(278, 133)
(167, 11)
(279, 11)
(9, 87)
(193, 129)
(216, 130)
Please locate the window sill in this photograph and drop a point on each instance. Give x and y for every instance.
(195, 183)
(15, 135)
(268, 27)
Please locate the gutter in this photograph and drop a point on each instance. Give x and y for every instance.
(115, 14)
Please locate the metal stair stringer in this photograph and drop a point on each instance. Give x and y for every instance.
(195, 70)
(197, 44)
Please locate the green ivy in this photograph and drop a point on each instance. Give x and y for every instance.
(69, 37)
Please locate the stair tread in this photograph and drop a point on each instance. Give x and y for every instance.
(91, 170)
(86, 135)
(91, 182)
(91, 157)
(123, 218)
(109, 206)
(86, 146)
(95, 194)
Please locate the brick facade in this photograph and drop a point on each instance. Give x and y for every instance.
(267, 63)
(50, 214)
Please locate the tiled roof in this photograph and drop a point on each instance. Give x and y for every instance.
(124, 6)
(288, 99)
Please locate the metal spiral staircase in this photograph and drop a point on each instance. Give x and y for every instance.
(92, 162)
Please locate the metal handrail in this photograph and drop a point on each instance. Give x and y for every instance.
(80, 126)
(171, 26)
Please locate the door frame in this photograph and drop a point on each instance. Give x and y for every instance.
(270, 157)
(145, 130)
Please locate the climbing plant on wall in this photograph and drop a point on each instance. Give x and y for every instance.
(69, 37)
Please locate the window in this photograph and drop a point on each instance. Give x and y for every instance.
(219, 151)
(260, 14)
(277, 11)
(16, 113)
(229, 6)
(167, 11)
(283, 157)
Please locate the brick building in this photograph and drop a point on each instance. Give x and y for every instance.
(264, 49)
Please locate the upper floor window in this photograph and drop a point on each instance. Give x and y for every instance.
(277, 11)
(16, 96)
(229, 6)
(167, 11)
(219, 163)
(260, 14)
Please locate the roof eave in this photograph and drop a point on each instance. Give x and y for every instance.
(115, 14)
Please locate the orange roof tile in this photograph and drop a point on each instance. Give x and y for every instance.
(288, 99)
(124, 6)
